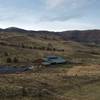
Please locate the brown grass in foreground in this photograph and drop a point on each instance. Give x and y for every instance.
(84, 70)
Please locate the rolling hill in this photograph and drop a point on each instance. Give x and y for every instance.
(77, 80)
(86, 36)
(27, 45)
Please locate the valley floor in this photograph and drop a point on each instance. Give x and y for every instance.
(53, 84)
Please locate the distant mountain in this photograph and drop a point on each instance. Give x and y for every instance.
(14, 29)
(86, 36)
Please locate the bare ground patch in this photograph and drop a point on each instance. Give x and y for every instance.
(84, 70)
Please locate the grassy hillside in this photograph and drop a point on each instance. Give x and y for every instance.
(27, 49)
(75, 81)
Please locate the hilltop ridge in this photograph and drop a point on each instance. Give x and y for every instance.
(84, 36)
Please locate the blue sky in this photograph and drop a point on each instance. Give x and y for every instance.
(53, 15)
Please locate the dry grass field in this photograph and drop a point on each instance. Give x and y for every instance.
(57, 84)
(84, 70)
(79, 80)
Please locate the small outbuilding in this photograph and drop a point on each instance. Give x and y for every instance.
(49, 60)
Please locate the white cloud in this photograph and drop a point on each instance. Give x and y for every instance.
(62, 10)
(55, 15)
(53, 3)
(63, 26)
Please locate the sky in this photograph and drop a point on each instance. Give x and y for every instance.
(52, 15)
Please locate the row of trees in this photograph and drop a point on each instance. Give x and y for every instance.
(10, 60)
(49, 47)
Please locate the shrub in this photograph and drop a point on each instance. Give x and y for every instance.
(15, 60)
(9, 60)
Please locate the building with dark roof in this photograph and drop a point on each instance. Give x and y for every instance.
(49, 60)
